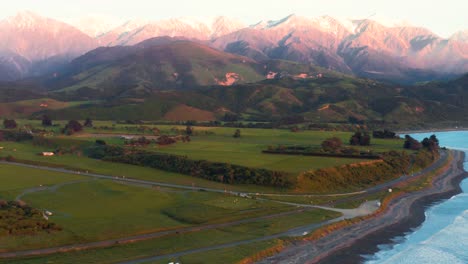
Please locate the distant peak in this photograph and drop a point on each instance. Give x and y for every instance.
(26, 13)
(24, 19)
(461, 35)
(274, 23)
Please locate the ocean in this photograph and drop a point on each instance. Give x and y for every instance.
(443, 237)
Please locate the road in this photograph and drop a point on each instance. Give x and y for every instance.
(46, 188)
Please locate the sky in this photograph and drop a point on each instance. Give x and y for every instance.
(442, 17)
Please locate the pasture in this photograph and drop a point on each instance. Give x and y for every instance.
(91, 210)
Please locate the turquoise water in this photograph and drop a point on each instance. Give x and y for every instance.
(443, 237)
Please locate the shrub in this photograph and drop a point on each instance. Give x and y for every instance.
(9, 124)
(46, 121)
(20, 219)
(411, 143)
(13, 135)
(360, 139)
(88, 122)
(384, 134)
(72, 127)
(332, 144)
(189, 130)
(166, 140)
(237, 133)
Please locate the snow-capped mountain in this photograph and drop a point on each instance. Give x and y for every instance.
(133, 32)
(460, 36)
(95, 25)
(37, 38)
(361, 46)
(28, 39)
(364, 47)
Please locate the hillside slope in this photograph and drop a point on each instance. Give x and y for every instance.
(326, 99)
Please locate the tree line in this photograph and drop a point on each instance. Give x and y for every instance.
(213, 171)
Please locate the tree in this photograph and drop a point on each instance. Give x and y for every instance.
(360, 139)
(100, 142)
(9, 124)
(365, 140)
(411, 143)
(355, 139)
(431, 143)
(332, 144)
(384, 134)
(237, 133)
(46, 121)
(166, 140)
(230, 117)
(72, 127)
(88, 122)
(294, 129)
(189, 130)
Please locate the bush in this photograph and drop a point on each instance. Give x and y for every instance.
(411, 143)
(166, 140)
(100, 142)
(189, 130)
(9, 124)
(17, 136)
(72, 127)
(237, 134)
(332, 144)
(384, 134)
(88, 122)
(20, 219)
(46, 121)
(360, 139)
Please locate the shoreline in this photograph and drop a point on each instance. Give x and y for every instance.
(347, 245)
(435, 130)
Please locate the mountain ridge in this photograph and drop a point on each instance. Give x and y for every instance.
(363, 47)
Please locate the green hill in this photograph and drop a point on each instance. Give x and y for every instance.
(139, 70)
(321, 100)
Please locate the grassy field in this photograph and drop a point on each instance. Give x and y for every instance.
(208, 143)
(14, 180)
(94, 210)
(217, 144)
(101, 209)
(25, 151)
(185, 241)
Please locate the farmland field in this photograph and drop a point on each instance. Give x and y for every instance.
(208, 143)
(93, 210)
